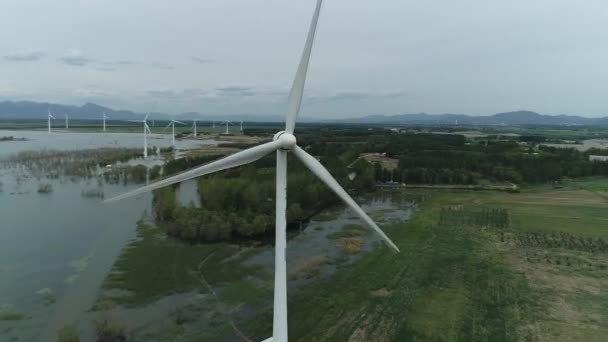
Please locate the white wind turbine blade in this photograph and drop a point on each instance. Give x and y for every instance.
(169, 125)
(179, 122)
(147, 128)
(237, 159)
(146, 118)
(138, 121)
(320, 171)
(297, 89)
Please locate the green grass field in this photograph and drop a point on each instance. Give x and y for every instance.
(466, 282)
(474, 266)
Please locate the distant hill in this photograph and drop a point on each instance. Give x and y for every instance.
(92, 111)
(38, 110)
(510, 118)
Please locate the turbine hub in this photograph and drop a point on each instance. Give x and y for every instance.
(288, 141)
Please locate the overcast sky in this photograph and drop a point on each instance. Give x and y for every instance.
(370, 57)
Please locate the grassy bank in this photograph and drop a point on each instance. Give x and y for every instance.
(470, 280)
(154, 266)
(475, 266)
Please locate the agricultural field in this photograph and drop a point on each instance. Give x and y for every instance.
(475, 266)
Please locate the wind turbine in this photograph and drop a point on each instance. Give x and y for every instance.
(104, 121)
(213, 124)
(172, 125)
(67, 124)
(146, 132)
(283, 142)
(227, 122)
(194, 126)
(241, 126)
(49, 117)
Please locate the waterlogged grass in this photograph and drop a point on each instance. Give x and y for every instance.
(446, 284)
(466, 273)
(11, 316)
(153, 266)
(325, 216)
(349, 231)
(247, 291)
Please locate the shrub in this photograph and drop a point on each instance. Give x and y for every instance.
(45, 188)
(68, 333)
(110, 330)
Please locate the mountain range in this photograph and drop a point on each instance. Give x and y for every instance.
(91, 111)
(515, 118)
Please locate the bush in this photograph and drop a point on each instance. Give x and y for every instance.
(45, 188)
(92, 193)
(68, 333)
(110, 330)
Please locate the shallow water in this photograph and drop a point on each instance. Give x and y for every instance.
(56, 248)
(156, 321)
(65, 140)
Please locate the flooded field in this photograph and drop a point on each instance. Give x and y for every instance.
(60, 242)
(41, 140)
(584, 145)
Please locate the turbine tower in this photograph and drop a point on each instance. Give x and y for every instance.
(104, 121)
(213, 124)
(67, 124)
(283, 142)
(146, 132)
(49, 117)
(241, 126)
(194, 126)
(172, 125)
(227, 122)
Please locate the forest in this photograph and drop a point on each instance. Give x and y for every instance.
(238, 203)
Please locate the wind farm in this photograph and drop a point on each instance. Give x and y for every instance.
(196, 189)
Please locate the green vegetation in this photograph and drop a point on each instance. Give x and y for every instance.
(80, 163)
(11, 316)
(92, 193)
(45, 188)
(502, 278)
(348, 231)
(403, 297)
(11, 138)
(110, 330)
(152, 267)
(239, 203)
(68, 333)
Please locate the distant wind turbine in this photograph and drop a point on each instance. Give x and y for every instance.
(104, 121)
(172, 125)
(283, 142)
(67, 124)
(146, 132)
(213, 124)
(194, 126)
(227, 122)
(49, 117)
(241, 126)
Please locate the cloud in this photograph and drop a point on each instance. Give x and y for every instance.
(25, 56)
(201, 60)
(352, 96)
(75, 57)
(185, 94)
(234, 91)
(162, 66)
(91, 91)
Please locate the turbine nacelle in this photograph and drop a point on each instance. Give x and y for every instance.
(286, 141)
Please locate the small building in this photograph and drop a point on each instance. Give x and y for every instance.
(598, 158)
